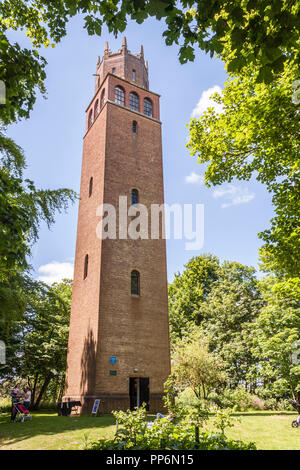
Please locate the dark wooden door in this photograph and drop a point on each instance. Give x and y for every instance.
(139, 391)
(133, 383)
(144, 391)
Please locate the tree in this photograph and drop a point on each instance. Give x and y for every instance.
(195, 367)
(262, 35)
(277, 340)
(23, 73)
(188, 292)
(228, 315)
(223, 300)
(257, 134)
(43, 340)
(22, 208)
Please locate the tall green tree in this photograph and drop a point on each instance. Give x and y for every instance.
(42, 340)
(194, 366)
(22, 209)
(188, 292)
(223, 300)
(263, 35)
(228, 315)
(277, 340)
(257, 135)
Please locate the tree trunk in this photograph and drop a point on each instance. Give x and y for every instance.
(34, 387)
(62, 389)
(42, 391)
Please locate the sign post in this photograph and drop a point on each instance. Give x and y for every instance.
(96, 407)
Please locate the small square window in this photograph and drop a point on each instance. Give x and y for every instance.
(114, 70)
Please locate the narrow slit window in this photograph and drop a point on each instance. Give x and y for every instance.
(134, 196)
(135, 283)
(134, 101)
(102, 99)
(134, 127)
(133, 75)
(86, 266)
(91, 186)
(96, 111)
(90, 119)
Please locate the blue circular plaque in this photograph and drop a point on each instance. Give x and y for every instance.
(113, 360)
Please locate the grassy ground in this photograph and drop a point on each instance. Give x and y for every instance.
(49, 431)
(268, 431)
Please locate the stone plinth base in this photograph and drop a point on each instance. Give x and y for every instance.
(111, 403)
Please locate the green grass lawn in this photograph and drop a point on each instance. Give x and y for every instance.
(268, 431)
(49, 431)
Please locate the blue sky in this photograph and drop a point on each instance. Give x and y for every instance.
(52, 140)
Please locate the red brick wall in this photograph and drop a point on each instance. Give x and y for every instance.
(105, 319)
(124, 63)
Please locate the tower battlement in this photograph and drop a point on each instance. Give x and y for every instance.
(124, 64)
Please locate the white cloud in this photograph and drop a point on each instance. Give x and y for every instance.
(55, 272)
(205, 102)
(233, 195)
(194, 178)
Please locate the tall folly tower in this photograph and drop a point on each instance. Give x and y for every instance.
(119, 335)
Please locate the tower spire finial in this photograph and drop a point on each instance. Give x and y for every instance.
(106, 48)
(124, 44)
(142, 51)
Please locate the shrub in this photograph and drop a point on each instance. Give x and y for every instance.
(223, 419)
(237, 400)
(284, 405)
(278, 405)
(5, 405)
(135, 433)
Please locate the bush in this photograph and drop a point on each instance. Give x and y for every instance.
(136, 434)
(284, 405)
(278, 405)
(237, 400)
(5, 405)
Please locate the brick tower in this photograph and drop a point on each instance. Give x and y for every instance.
(119, 335)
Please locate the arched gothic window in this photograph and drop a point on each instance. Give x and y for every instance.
(134, 101)
(135, 283)
(148, 107)
(119, 95)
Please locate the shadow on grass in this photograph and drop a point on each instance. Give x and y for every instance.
(48, 424)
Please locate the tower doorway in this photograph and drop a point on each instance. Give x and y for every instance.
(139, 392)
